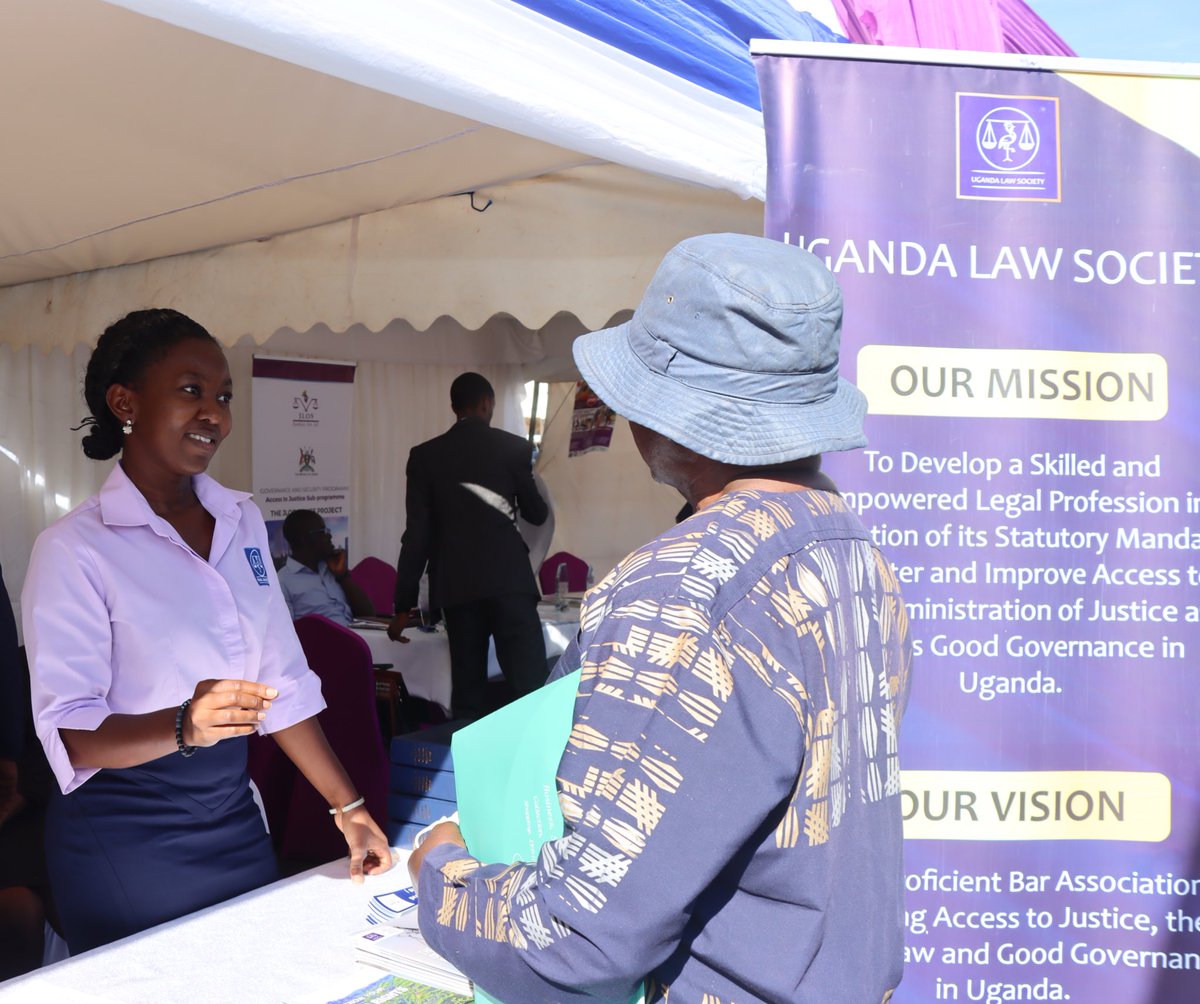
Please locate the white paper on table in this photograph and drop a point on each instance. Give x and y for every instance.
(405, 953)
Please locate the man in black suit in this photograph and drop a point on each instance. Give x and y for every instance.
(465, 489)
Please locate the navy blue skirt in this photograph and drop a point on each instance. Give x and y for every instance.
(138, 846)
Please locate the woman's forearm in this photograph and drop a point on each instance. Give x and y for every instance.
(218, 709)
(306, 746)
(122, 740)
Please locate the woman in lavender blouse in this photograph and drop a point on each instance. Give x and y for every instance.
(158, 639)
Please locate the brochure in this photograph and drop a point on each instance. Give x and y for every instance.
(350, 989)
(403, 952)
(397, 908)
(505, 770)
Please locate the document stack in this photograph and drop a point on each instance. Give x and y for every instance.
(421, 789)
(404, 953)
(397, 908)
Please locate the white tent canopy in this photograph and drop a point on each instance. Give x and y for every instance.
(148, 128)
(295, 175)
(285, 171)
(288, 170)
(141, 129)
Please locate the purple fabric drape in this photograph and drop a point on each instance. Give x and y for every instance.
(985, 26)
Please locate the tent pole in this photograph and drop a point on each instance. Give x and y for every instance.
(533, 409)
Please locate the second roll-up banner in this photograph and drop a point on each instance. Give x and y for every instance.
(302, 423)
(1017, 243)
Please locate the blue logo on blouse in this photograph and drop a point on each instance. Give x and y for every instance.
(254, 556)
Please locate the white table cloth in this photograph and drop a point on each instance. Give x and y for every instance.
(280, 943)
(424, 660)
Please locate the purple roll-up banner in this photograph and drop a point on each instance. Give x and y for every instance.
(1018, 241)
(302, 425)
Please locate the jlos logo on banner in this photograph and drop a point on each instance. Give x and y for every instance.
(306, 409)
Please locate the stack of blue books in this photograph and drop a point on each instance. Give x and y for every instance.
(422, 782)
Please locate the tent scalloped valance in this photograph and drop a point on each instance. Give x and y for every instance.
(584, 241)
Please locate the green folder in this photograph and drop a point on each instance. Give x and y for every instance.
(505, 774)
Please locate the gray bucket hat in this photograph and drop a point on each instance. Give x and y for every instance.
(733, 353)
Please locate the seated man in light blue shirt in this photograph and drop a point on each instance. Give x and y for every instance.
(315, 578)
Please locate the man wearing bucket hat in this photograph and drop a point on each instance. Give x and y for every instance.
(731, 784)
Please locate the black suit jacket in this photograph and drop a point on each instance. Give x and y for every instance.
(464, 490)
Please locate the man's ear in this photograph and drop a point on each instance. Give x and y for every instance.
(121, 402)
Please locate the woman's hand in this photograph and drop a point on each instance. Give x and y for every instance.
(369, 850)
(306, 746)
(221, 709)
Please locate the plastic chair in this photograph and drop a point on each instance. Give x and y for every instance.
(577, 573)
(343, 662)
(377, 579)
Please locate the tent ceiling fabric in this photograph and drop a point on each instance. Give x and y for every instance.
(584, 241)
(702, 42)
(498, 62)
(147, 128)
(125, 145)
(139, 133)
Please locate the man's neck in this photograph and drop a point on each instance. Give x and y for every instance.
(312, 564)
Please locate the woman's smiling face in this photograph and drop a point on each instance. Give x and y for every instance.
(180, 409)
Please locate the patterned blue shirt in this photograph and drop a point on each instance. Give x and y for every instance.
(730, 786)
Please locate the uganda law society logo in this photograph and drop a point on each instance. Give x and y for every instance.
(1008, 148)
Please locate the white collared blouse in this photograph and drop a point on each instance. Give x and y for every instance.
(121, 616)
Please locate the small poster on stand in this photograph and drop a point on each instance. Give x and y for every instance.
(591, 423)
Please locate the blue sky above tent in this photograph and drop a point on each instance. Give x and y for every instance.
(1162, 30)
(707, 45)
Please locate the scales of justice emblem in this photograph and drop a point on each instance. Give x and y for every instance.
(1007, 138)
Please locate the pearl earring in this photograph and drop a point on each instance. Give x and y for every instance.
(127, 428)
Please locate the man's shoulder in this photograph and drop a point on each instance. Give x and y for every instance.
(513, 446)
(490, 434)
(424, 456)
(472, 435)
(291, 568)
(456, 435)
(703, 555)
(428, 445)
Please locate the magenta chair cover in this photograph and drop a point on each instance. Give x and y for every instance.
(274, 775)
(577, 573)
(351, 724)
(377, 579)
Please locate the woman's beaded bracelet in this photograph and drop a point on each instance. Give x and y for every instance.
(184, 748)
